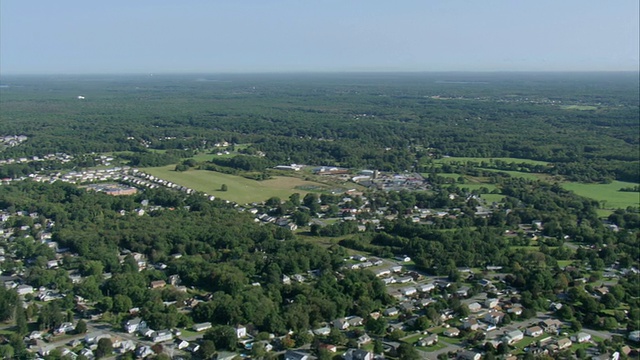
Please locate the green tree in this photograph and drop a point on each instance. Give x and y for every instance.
(21, 320)
(224, 187)
(407, 352)
(377, 346)
(81, 327)
(105, 348)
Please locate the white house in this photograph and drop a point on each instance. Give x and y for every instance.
(581, 337)
(201, 326)
(357, 354)
(161, 335)
(512, 337)
(241, 331)
(534, 331)
(135, 324)
(24, 289)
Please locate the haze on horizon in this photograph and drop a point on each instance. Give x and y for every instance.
(148, 36)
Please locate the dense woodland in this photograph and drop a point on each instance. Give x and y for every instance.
(585, 124)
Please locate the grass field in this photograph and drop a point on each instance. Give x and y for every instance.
(579, 107)
(608, 195)
(240, 190)
(490, 160)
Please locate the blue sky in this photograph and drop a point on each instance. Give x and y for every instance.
(211, 36)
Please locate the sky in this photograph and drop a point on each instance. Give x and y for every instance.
(215, 36)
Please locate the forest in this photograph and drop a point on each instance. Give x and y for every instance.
(391, 122)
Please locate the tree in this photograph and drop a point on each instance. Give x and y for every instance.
(105, 348)
(407, 352)
(377, 346)
(21, 320)
(81, 327)
(224, 187)
(223, 336)
(207, 349)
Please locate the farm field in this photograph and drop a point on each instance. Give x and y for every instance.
(240, 190)
(609, 195)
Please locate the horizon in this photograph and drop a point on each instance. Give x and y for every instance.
(286, 36)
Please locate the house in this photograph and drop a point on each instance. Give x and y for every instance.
(341, 324)
(181, 344)
(355, 321)
(403, 258)
(24, 289)
(470, 324)
(564, 344)
(391, 312)
(513, 336)
(93, 338)
(64, 328)
(468, 355)
(491, 303)
(408, 291)
(225, 355)
(463, 291)
(534, 331)
(161, 335)
(323, 331)
(241, 331)
(634, 336)
(516, 310)
(329, 347)
(475, 307)
(357, 354)
(144, 351)
(428, 341)
(404, 280)
(363, 340)
(158, 284)
(581, 337)
(451, 332)
(407, 307)
(201, 326)
(426, 287)
(551, 325)
(295, 355)
(396, 269)
(135, 324)
(494, 317)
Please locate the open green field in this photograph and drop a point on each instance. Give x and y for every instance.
(579, 107)
(240, 190)
(609, 195)
(489, 160)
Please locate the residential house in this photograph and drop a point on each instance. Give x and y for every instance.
(534, 331)
(357, 354)
(551, 325)
(513, 336)
(363, 340)
(24, 289)
(408, 291)
(161, 335)
(491, 303)
(581, 337)
(428, 341)
(201, 326)
(135, 324)
(329, 347)
(341, 324)
(158, 284)
(225, 355)
(407, 307)
(494, 317)
(390, 312)
(181, 344)
(64, 328)
(426, 287)
(295, 355)
(564, 343)
(468, 355)
(241, 331)
(470, 324)
(463, 291)
(475, 307)
(323, 331)
(451, 332)
(355, 321)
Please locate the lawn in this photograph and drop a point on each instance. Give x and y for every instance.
(520, 174)
(240, 189)
(608, 195)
